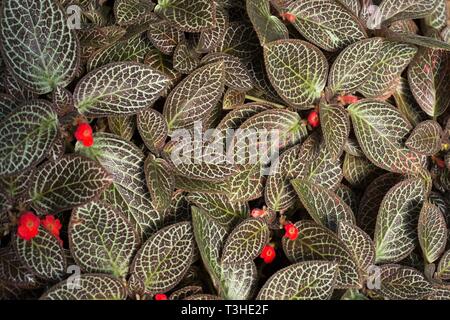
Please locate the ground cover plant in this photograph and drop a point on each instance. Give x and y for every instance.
(106, 192)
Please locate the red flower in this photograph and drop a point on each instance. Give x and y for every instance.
(291, 231)
(160, 296)
(84, 134)
(28, 226)
(257, 213)
(268, 254)
(313, 119)
(51, 224)
(289, 17)
(348, 99)
(439, 162)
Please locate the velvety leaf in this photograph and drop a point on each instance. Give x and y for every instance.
(297, 71)
(238, 280)
(160, 181)
(123, 126)
(245, 242)
(163, 63)
(246, 185)
(43, 255)
(185, 58)
(153, 129)
(326, 23)
(426, 138)
(101, 239)
(27, 134)
(195, 96)
(66, 183)
(429, 82)
(14, 272)
(318, 243)
(359, 243)
(381, 130)
(395, 231)
(324, 206)
(349, 196)
(88, 287)
(407, 104)
(118, 89)
(268, 27)
(335, 128)
(324, 171)
(443, 271)
(211, 38)
(164, 36)
(432, 232)
(164, 259)
(391, 10)
(62, 101)
(358, 171)
(128, 12)
(353, 65)
(232, 99)
(440, 292)
(353, 5)
(188, 15)
(42, 53)
(240, 40)
(384, 76)
(311, 280)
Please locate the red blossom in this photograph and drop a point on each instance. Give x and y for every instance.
(84, 134)
(291, 231)
(257, 213)
(348, 99)
(313, 119)
(268, 254)
(160, 296)
(28, 226)
(287, 16)
(51, 224)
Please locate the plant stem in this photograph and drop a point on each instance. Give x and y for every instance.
(255, 99)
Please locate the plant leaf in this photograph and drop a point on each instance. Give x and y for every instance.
(335, 128)
(101, 239)
(432, 232)
(14, 272)
(426, 138)
(443, 271)
(118, 89)
(129, 12)
(315, 242)
(395, 229)
(311, 280)
(164, 259)
(90, 287)
(28, 134)
(391, 10)
(123, 126)
(297, 71)
(164, 36)
(324, 206)
(240, 40)
(407, 104)
(160, 181)
(185, 58)
(326, 23)
(46, 54)
(66, 183)
(211, 38)
(358, 171)
(238, 280)
(153, 129)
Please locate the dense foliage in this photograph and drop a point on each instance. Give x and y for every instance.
(96, 97)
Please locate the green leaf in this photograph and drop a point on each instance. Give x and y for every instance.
(426, 138)
(326, 23)
(358, 171)
(188, 15)
(315, 242)
(297, 70)
(37, 44)
(123, 126)
(164, 259)
(164, 36)
(335, 128)
(160, 181)
(427, 76)
(88, 287)
(195, 96)
(125, 162)
(118, 89)
(311, 280)
(438, 17)
(101, 239)
(153, 129)
(359, 243)
(393, 10)
(443, 271)
(219, 207)
(402, 283)
(395, 232)
(27, 134)
(211, 38)
(245, 242)
(324, 206)
(432, 232)
(381, 130)
(43, 255)
(267, 26)
(353, 65)
(66, 183)
(384, 76)
(14, 272)
(129, 12)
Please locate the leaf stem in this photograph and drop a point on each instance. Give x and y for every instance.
(255, 99)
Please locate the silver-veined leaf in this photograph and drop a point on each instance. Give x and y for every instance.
(66, 183)
(240, 40)
(407, 104)
(7, 105)
(426, 138)
(437, 19)
(432, 232)
(119, 89)
(326, 23)
(310, 280)
(211, 38)
(335, 128)
(238, 280)
(164, 259)
(395, 231)
(123, 126)
(153, 129)
(38, 45)
(27, 135)
(393, 10)
(129, 12)
(358, 171)
(160, 181)
(297, 70)
(232, 99)
(443, 271)
(164, 36)
(14, 272)
(185, 58)
(101, 239)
